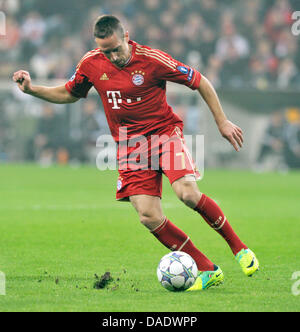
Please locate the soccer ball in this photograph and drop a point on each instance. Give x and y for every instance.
(177, 271)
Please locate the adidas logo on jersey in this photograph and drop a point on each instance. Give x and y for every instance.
(104, 77)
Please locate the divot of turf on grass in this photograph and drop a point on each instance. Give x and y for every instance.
(103, 281)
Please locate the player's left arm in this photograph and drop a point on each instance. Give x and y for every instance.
(228, 130)
(172, 70)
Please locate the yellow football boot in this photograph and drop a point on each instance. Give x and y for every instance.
(248, 261)
(207, 279)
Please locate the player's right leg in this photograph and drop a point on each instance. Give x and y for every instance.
(207, 279)
(150, 212)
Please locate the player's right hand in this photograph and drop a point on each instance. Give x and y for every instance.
(23, 79)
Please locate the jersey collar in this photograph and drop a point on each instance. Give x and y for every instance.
(133, 45)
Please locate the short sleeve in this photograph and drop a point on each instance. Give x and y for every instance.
(172, 70)
(79, 84)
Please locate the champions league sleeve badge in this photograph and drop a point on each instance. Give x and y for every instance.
(73, 77)
(183, 70)
(186, 71)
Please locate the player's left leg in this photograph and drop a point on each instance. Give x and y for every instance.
(151, 215)
(177, 164)
(187, 191)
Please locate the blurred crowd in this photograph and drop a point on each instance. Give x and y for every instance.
(236, 44)
(280, 144)
(47, 133)
(54, 141)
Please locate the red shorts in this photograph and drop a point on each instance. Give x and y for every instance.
(169, 155)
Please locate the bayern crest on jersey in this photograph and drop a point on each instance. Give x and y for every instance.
(138, 79)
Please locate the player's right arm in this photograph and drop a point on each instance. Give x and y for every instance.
(56, 95)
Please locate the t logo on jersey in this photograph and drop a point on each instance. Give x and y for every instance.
(115, 99)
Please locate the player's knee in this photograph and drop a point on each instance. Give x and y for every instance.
(189, 197)
(187, 192)
(150, 220)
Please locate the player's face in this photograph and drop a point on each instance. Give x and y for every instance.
(115, 48)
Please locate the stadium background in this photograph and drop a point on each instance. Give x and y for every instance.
(246, 49)
(60, 226)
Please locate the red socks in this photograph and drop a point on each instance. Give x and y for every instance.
(214, 216)
(175, 239)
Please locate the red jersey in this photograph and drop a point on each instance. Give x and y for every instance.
(133, 96)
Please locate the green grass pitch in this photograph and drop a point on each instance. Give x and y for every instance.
(60, 226)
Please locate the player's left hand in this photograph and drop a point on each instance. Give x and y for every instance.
(232, 133)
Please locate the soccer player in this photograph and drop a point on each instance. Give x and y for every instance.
(131, 81)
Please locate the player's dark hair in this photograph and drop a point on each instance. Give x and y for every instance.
(106, 25)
